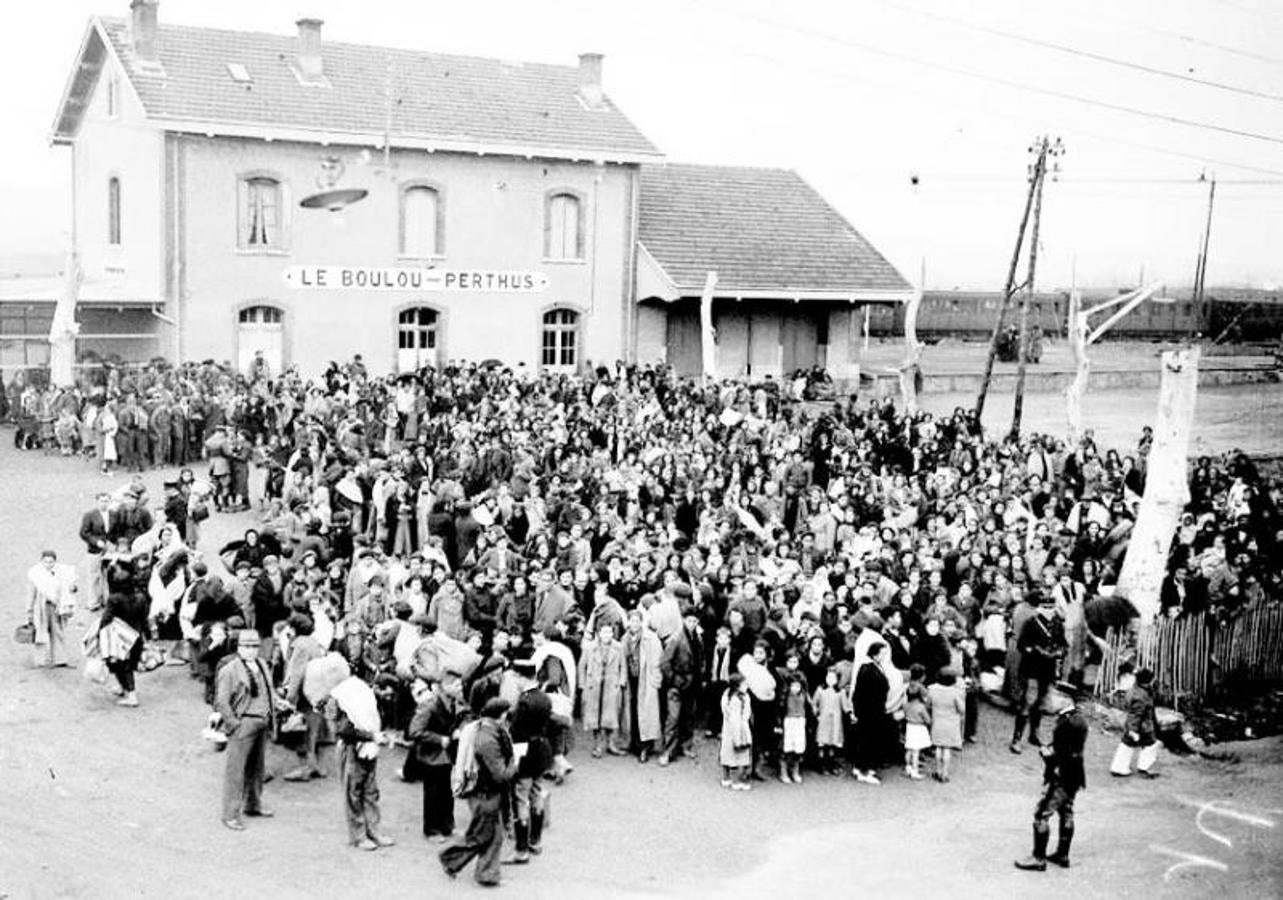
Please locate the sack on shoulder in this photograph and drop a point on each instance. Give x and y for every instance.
(464, 772)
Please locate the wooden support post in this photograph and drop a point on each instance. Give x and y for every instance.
(63, 329)
(912, 354)
(708, 343)
(1166, 485)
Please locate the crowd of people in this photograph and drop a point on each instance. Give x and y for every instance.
(490, 566)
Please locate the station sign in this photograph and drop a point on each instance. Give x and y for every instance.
(367, 278)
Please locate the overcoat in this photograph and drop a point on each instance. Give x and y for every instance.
(602, 676)
(648, 681)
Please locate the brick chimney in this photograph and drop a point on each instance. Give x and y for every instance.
(590, 80)
(142, 29)
(309, 49)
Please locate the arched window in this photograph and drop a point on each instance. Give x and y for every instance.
(260, 315)
(563, 227)
(260, 226)
(422, 231)
(560, 347)
(260, 332)
(416, 338)
(113, 211)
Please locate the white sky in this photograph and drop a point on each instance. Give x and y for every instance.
(858, 96)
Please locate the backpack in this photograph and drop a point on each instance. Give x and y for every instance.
(463, 774)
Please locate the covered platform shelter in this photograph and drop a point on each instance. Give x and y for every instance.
(794, 279)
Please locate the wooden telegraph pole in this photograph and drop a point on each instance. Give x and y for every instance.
(1200, 273)
(1047, 149)
(1035, 178)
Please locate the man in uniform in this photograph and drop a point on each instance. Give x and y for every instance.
(1041, 643)
(1063, 777)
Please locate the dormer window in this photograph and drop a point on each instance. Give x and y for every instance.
(239, 73)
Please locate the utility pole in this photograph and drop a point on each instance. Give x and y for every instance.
(1022, 350)
(1034, 178)
(1200, 275)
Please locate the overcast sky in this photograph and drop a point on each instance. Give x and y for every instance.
(859, 96)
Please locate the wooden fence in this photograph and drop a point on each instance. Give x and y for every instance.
(1195, 658)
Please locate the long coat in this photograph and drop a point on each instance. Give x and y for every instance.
(602, 676)
(648, 682)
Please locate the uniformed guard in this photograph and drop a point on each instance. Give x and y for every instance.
(1063, 777)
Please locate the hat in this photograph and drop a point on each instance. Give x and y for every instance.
(271, 558)
(524, 666)
(682, 591)
(248, 637)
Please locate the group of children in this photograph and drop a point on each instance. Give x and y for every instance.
(815, 725)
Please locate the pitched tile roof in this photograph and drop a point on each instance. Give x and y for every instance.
(759, 229)
(437, 96)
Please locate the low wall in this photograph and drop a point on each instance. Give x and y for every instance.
(887, 384)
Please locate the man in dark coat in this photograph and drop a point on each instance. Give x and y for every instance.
(1063, 777)
(1041, 644)
(96, 528)
(432, 730)
(679, 668)
(531, 725)
(496, 766)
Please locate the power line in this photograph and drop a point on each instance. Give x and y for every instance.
(1006, 82)
(1083, 132)
(1086, 54)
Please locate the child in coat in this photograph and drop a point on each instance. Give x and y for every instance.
(830, 707)
(917, 720)
(736, 755)
(794, 745)
(947, 707)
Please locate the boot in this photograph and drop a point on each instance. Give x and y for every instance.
(1038, 861)
(1061, 856)
(1016, 735)
(598, 745)
(535, 841)
(521, 855)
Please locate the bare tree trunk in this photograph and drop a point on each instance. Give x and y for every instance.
(1166, 485)
(1076, 331)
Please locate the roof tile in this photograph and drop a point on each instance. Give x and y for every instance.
(759, 229)
(436, 96)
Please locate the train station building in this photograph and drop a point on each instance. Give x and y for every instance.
(506, 210)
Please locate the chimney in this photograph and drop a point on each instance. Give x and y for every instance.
(590, 80)
(142, 29)
(309, 49)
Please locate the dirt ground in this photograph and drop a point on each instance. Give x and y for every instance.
(102, 802)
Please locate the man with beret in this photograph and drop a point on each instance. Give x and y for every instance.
(1063, 777)
(243, 697)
